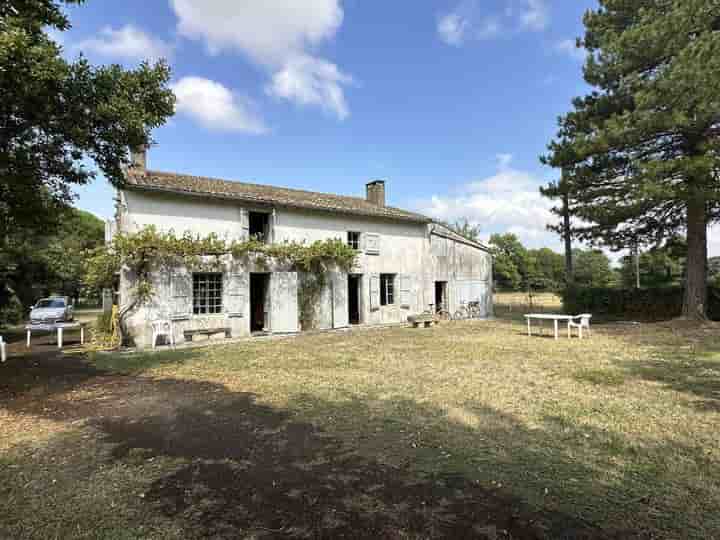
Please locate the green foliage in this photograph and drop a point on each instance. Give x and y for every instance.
(641, 152)
(655, 304)
(548, 269)
(592, 268)
(659, 266)
(511, 261)
(11, 312)
(465, 228)
(57, 115)
(150, 250)
(35, 263)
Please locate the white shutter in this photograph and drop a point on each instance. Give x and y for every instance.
(284, 313)
(341, 313)
(244, 224)
(374, 292)
(236, 295)
(182, 294)
(372, 243)
(272, 236)
(404, 291)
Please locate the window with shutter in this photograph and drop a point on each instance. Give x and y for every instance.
(375, 292)
(405, 292)
(372, 243)
(181, 287)
(236, 294)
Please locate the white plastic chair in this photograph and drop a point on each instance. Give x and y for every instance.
(3, 356)
(162, 327)
(583, 323)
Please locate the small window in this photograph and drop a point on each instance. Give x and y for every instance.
(353, 240)
(207, 293)
(387, 289)
(259, 224)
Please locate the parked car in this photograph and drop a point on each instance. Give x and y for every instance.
(52, 310)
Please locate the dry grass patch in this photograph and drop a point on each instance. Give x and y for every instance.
(618, 431)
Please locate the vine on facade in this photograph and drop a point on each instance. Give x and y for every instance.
(149, 250)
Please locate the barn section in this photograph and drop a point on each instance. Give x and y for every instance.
(457, 271)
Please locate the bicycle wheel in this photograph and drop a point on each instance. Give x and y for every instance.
(460, 315)
(444, 315)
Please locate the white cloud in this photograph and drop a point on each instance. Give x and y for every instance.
(569, 47)
(508, 201)
(216, 107)
(535, 15)
(127, 43)
(312, 81)
(279, 35)
(452, 28)
(468, 21)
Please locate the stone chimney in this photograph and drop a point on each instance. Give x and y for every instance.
(376, 192)
(138, 160)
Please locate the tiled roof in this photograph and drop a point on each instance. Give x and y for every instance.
(261, 194)
(442, 230)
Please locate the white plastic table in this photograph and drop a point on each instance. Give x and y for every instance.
(548, 317)
(60, 327)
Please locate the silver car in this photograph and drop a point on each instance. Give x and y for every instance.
(52, 310)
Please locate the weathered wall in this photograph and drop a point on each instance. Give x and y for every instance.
(408, 250)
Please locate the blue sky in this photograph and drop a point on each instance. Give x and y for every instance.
(450, 102)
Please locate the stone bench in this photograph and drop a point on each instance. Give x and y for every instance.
(188, 334)
(426, 320)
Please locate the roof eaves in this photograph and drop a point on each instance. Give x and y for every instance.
(407, 217)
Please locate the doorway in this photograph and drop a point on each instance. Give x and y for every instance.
(440, 295)
(259, 287)
(354, 299)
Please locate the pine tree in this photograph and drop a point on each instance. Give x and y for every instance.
(642, 148)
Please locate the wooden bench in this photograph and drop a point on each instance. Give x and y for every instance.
(188, 334)
(426, 319)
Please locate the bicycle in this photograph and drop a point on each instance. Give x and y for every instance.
(469, 310)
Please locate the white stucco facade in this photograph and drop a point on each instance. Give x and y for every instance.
(417, 258)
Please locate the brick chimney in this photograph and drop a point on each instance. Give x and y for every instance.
(138, 160)
(376, 192)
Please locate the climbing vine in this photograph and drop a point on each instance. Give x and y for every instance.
(149, 250)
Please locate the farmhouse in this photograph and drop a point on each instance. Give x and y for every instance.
(406, 263)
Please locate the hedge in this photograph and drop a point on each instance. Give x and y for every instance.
(640, 304)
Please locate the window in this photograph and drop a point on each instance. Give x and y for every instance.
(207, 293)
(387, 289)
(259, 224)
(353, 240)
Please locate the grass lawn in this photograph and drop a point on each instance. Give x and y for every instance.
(467, 430)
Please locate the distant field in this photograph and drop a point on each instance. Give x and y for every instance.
(511, 303)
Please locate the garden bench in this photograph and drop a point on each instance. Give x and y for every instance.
(188, 334)
(426, 319)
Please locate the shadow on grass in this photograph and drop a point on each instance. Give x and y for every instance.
(244, 469)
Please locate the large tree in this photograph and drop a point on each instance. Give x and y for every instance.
(57, 116)
(642, 148)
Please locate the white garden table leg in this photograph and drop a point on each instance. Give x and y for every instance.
(60, 337)
(2, 350)
(556, 328)
(29, 333)
(82, 335)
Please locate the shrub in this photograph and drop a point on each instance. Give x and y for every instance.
(12, 312)
(644, 304)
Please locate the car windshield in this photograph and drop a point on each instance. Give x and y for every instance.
(51, 303)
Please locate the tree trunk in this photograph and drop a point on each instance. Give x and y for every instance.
(695, 299)
(567, 234)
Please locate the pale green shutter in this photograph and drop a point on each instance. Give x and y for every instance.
(181, 290)
(235, 299)
(404, 291)
(375, 292)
